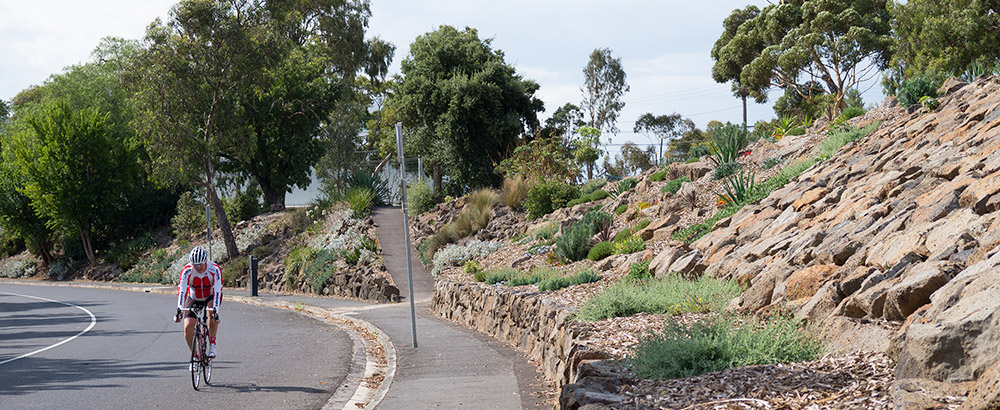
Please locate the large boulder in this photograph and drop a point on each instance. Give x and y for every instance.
(958, 337)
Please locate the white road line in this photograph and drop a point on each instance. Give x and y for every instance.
(93, 321)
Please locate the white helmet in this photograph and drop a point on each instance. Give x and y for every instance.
(198, 255)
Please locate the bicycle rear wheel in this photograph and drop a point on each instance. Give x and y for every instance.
(206, 370)
(196, 345)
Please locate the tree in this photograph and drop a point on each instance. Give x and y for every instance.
(730, 57)
(663, 127)
(603, 87)
(837, 43)
(587, 148)
(630, 159)
(947, 37)
(465, 105)
(545, 158)
(564, 121)
(18, 217)
(72, 167)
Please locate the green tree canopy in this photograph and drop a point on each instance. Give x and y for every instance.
(945, 36)
(630, 160)
(465, 105)
(72, 168)
(836, 43)
(587, 148)
(663, 127)
(603, 87)
(564, 121)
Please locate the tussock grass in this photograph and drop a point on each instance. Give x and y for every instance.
(514, 191)
(721, 343)
(473, 217)
(670, 295)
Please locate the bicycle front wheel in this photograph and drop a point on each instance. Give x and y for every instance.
(195, 360)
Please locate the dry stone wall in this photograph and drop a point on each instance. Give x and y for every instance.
(521, 318)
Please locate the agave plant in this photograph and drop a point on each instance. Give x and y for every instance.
(738, 188)
(786, 124)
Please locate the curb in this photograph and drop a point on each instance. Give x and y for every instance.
(372, 377)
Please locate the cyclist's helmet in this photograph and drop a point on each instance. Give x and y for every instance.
(198, 255)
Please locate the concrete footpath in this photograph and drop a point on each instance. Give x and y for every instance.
(451, 367)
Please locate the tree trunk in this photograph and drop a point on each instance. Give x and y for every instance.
(438, 178)
(744, 112)
(220, 214)
(274, 200)
(590, 171)
(88, 248)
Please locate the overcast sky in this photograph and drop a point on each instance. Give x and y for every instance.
(664, 45)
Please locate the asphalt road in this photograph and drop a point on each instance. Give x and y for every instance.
(134, 355)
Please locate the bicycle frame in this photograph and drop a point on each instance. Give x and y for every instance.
(201, 364)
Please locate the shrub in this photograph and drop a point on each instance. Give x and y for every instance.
(360, 201)
(579, 278)
(190, 217)
(320, 269)
(721, 343)
(472, 266)
(152, 269)
(625, 185)
(368, 243)
(456, 255)
(621, 209)
(658, 176)
(851, 112)
(675, 185)
(547, 196)
(574, 243)
(639, 271)
(378, 187)
(592, 185)
(694, 159)
(233, 271)
(630, 244)
(419, 198)
(920, 85)
(244, 205)
(17, 267)
(726, 169)
(129, 253)
(929, 103)
(547, 232)
(601, 250)
(262, 252)
(771, 162)
(672, 294)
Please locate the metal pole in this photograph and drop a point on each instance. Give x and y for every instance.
(406, 227)
(420, 169)
(253, 275)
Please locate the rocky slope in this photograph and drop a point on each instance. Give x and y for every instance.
(892, 245)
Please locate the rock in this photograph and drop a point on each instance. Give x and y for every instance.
(647, 232)
(688, 265)
(951, 85)
(980, 194)
(694, 171)
(916, 287)
(868, 303)
(809, 197)
(761, 290)
(805, 282)
(822, 304)
(955, 340)
(662, 261)
(986, 393)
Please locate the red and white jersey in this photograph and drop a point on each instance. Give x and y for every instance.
(200, 286)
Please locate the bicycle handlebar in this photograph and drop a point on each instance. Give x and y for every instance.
(208, 308)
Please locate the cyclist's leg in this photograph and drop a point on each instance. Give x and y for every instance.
(213, 325)
(189, 321)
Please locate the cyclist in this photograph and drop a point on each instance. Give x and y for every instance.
(200, 284)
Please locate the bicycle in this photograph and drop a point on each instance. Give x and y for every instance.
(201, 364)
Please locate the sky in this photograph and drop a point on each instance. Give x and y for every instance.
(663, 45)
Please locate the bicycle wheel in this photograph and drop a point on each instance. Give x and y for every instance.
(206, 370)
(206, 362)
(196, 345)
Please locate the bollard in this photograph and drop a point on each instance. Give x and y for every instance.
(253, 275)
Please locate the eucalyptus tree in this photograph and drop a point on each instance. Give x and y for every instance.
(465, 105)
(603, 87)
(836, 43)
(663, 127)
(946, 36)
(730, 57)
(246, 87)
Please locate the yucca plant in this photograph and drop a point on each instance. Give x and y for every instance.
(360, 200)
(739, 188)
